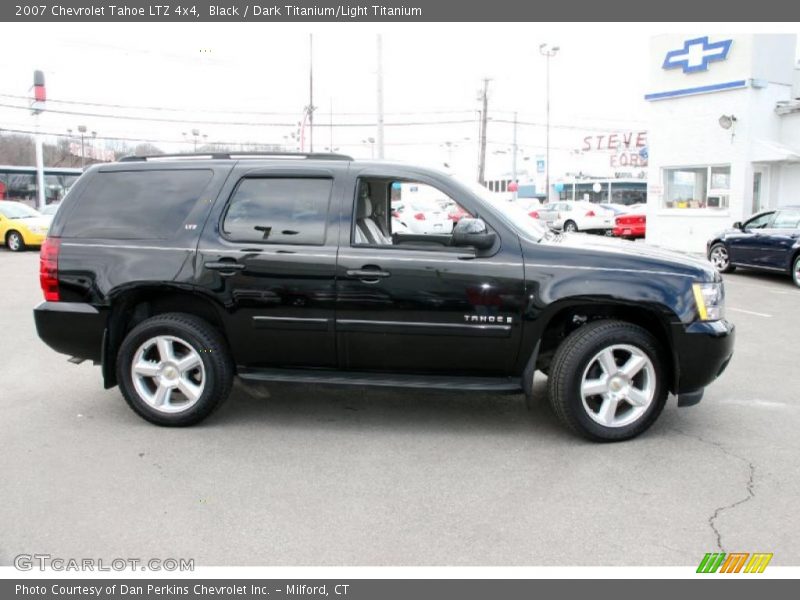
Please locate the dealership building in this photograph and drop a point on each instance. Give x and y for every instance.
(723, 133)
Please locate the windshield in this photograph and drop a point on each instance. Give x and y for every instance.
(16, 210)
(513, 213)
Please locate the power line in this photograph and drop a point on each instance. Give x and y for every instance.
(234, 123)
(230, 111)
(183, 141)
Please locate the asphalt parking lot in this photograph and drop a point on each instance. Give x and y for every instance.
(290, 475)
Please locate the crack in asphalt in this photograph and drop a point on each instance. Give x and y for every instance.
(750, 486)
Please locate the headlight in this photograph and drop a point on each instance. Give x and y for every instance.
(710, 300)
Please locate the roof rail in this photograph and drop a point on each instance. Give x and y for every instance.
(236, 155)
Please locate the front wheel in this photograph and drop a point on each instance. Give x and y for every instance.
(15, 242)
(608, 381)
(570, 226)
(796, 270)
(174, 369)
(720, 259)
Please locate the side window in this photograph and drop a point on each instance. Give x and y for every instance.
(139, 204)
(279, 211)
(388, 210)
(787, 219)
(760, 222)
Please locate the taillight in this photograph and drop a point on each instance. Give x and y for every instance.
(533, 214)
(590, 213)
(642, 219)
(419, 216)
(48, 269)
(395, 214)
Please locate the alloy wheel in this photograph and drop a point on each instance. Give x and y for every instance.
(618, 385)
(168, 374)
(719, 258)
(14, 242)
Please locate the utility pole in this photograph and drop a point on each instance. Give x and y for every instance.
(484, 98)
(37, 106)
(548, 52)
(514, 151)
(380, 96)
(311, 92)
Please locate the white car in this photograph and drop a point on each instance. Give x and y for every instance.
(577, 216)
(422, 216)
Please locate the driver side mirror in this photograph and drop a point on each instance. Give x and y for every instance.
(473, 232)
(738, 225)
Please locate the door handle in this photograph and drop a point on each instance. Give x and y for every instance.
(368, 274)
(225, 267)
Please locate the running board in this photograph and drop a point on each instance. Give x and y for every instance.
(429, 382)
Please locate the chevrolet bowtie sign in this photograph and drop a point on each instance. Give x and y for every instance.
(696, 55)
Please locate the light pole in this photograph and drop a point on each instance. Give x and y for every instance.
(82, 131)
(371, 142)
(548, 52)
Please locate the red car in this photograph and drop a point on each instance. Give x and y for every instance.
(630, 226)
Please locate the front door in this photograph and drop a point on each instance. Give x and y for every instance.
(413, 303)
(268, 253)
(744, 246)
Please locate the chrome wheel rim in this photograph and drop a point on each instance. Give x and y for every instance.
(13, 242)
(719, 258)
(571, 227)
(168, 374)
(618, 385)
(797, 271)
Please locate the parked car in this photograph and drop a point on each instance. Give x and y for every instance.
(21, 226)
(423, 216)
(530, 205)
(50, 209)
(578, 215)
(281, 269)
(617, 209)
(631, 225)
(769, 241)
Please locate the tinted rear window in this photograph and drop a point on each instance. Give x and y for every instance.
(136, 204)
(279, 211)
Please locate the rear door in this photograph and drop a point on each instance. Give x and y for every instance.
(268, 252)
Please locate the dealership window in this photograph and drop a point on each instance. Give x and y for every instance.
(697, 187)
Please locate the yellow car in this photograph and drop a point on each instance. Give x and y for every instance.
(22, 226)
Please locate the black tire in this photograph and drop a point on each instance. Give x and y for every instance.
(571, 361)
(194, 333)
(15, 241)
(720, 248)
(796, 270)
(571, 226)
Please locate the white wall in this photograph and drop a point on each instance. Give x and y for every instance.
(685, 131)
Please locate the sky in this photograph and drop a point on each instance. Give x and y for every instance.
(260, 72)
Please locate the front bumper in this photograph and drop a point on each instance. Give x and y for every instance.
(72, 328)
(703, 350)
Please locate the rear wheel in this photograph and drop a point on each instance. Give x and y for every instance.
(796, 270)
(174, 369)
(607, 381)
(570, 226)
(720, 259)
(15, 242)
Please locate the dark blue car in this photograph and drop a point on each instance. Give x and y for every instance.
(769, 240)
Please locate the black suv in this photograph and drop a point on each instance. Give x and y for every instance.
(175, 274)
